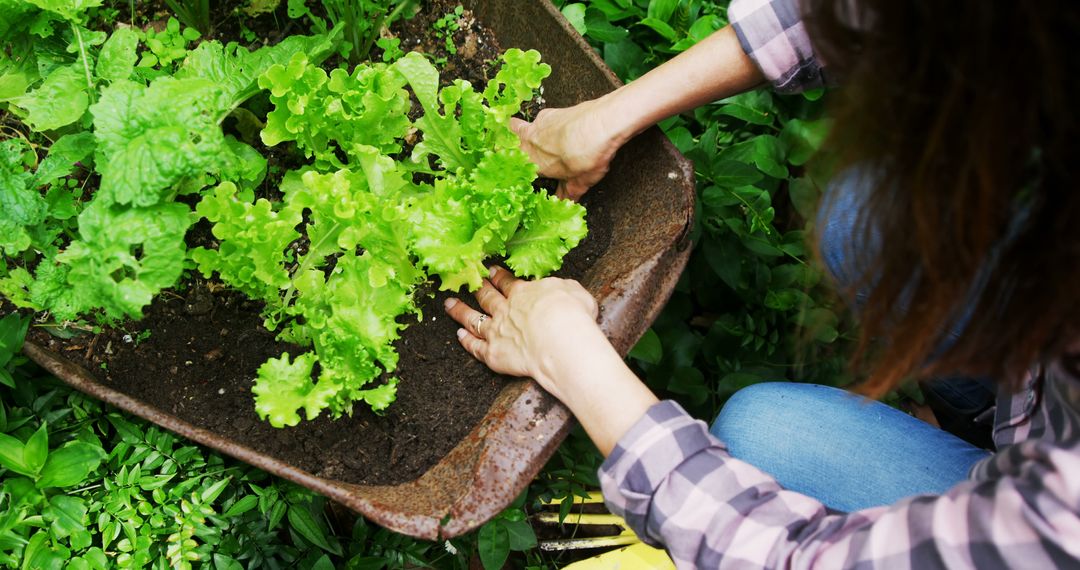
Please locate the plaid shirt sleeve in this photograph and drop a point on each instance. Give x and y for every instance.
(772, 33)
(677, 486)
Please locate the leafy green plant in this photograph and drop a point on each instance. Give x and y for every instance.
(87, 487)
(446, 26)
(151, 141)
(360, 20)
(346, 304)
(167, 47)
(193, 13)
(508, 532)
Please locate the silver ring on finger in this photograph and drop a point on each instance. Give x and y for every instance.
(479, 322)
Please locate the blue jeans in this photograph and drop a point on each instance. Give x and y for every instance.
(848, 452)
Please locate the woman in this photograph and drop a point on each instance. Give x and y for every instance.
(956, 139)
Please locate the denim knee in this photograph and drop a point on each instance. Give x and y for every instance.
(756, 410)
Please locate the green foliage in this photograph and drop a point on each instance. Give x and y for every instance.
(356, 198)
(335, 114)
(153, 138)
(359, 20)
(446, 26)
(87, 487)
(193, 13)
(508, 532)
(165, 48)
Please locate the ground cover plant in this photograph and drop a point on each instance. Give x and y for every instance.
(749, 308)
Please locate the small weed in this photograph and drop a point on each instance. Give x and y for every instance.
(446, 26)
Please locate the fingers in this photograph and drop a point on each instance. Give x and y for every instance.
(519, 126)
(473, 320)
(571, 190)
(503, 280)
(491, 300)
(473, 345)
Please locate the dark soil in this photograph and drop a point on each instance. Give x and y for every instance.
(197, 350)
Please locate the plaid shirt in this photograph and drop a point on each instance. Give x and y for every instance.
(678, 486)
(772, 33)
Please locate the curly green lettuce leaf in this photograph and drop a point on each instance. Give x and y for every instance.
(443, 131)
(254, 238)
(236, 70)
(447, 240)
(46, 290)
(126, 256)
(517, 80)
(337, 115)
(59, 101)
(551, 228)
(283, 387)
(351, 320)
(457, 127)
(152, 137)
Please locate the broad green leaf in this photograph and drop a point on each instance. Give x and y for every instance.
(802, 139)
(36, 449)
(726, 259)
(660, 27)
(626, 59)
(704, 26)
(11, 455)
(67, 515)
(63, 154)
(236, 70)
(521, 535)
(70, 465)
(150, 138)
(118, 55)
(575, 13)
(755, 107)
(39, 555)
(493, 543)
(733, 173)
(805, 196)
(301, 521)
(211, 493)
(662, 10)
(648, 348)
(689, 382)
(59, 101)
(224, 562)
(242, 506)
(601, 30)
(127, 255)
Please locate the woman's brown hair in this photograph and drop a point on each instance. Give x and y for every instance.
(965, 113)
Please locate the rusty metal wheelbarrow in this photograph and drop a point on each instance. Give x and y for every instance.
(649, 194)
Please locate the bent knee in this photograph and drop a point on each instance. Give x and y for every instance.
(769, 407)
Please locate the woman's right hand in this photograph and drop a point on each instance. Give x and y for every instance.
(574, 145)
(529, 328)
